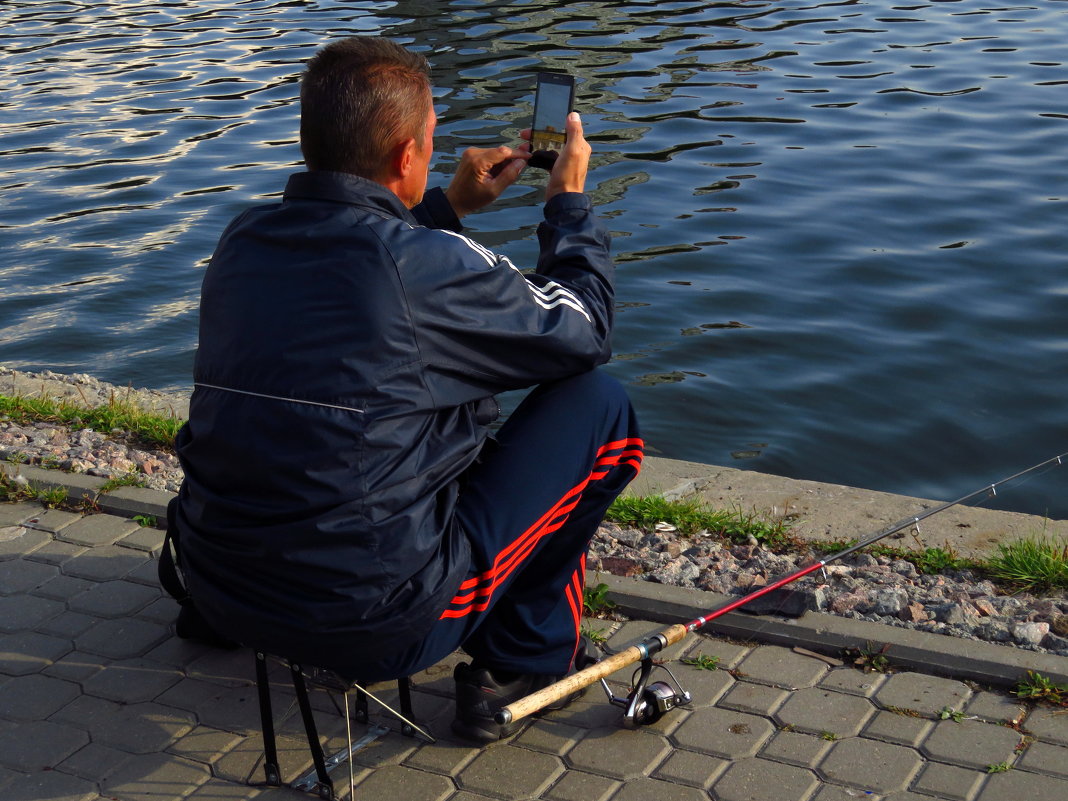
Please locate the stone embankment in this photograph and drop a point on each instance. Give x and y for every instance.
(864, 587)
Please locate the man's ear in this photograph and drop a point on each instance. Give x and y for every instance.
(402, 158)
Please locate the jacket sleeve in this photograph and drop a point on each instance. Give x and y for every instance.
(483, 327)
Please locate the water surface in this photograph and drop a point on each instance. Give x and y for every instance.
(840, 226)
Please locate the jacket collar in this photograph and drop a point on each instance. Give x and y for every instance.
(341, 187)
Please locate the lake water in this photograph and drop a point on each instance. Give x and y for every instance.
(840, 226)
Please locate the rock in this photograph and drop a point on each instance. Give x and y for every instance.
(621, 566)
(904, 567)
(629, 536)
(888, 602)
(1030, 633)
(984, 607)
(993, 631)
(952, 614)
(679, 572)
(913, 613)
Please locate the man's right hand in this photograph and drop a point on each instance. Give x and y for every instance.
(569, 172)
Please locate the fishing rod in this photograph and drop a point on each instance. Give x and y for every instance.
(647, 703)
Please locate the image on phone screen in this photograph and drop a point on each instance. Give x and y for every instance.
(552, 104)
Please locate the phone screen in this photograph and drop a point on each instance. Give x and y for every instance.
(552, 104)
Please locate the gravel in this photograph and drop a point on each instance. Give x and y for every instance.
(864, 587)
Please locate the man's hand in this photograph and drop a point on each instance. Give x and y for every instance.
(569, 172)
(477, 183)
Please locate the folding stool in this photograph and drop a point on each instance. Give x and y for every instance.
(332, 682)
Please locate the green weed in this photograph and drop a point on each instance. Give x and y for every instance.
(691, 516)
(1033, 563)
(1036, 687)
(595, 600)
(702, 662)
(145, 521)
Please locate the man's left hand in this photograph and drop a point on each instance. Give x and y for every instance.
(482, 175)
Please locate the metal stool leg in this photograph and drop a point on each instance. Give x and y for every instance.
(270, 752)
(325, 786)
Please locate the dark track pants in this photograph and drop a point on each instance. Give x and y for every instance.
(530, 507)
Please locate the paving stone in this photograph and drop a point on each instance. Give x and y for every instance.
(591, 712)
(918, 692)
(123, 638)
(391, 749)
(21, 575)
(971, 743)
(219, 790)
(795, 748)
(244, 762)
(1048, 724)
(949, 782)
(817, 710)
(691, 768)
(756, 699)
(729, 654)
(996, 707)
(104, 563)
(578, 786)
(154, 777)
(871, 765)
(56, 552)
(19, 541)
(510, 773)
(781, 667)
(62, 588)
(67, 625)
(30, 652)
(53, 520)
(1018, 784)
(136, 728)
(204, 744)
(111, 599)
(233, 708)
(856, 682)
(163, 610)
(182, 653)
(146, 573)
(38, 745)
(397, 781)
(550, 737)
(724, 733)
(706, 687)
(13, 513)
(145, 538)
(52, 785)
(35, 697)
(95, 762)
(444, 757)
(619, 753)
(763, 780)
(645, 789)
(233, 668)
(832, 792)
(132, 681)
(75, 666)
(97, 530)
(22, 612)
(1045, 758)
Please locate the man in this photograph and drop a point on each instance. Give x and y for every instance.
(343, 504)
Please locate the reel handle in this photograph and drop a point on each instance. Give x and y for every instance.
(595, 672)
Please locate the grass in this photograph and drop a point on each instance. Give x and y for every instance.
(691, 517)
(1037, 564)
(702, 662)
(151, 429)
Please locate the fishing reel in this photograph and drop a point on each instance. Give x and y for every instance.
(648, 702)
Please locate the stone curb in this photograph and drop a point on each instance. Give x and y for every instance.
(937, 654)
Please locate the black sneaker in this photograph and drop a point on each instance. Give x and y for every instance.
(480, 696)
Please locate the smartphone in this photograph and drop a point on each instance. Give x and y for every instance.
(552, 103)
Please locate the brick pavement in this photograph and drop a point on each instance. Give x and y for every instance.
(98, 700)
